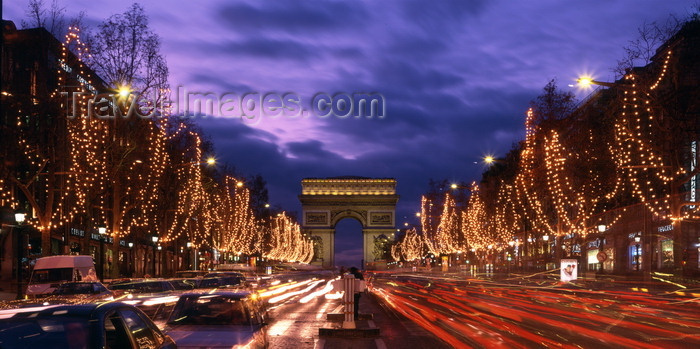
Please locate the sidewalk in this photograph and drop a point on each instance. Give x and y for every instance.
(7, 293)
(7, 296)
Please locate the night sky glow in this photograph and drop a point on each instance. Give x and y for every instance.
(457, 77)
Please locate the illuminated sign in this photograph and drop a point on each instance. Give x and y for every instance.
(569, 269)
(80, 79)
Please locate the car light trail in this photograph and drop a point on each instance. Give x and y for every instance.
(292, 294)
(478, 313)
(323, 291)
(283, 288)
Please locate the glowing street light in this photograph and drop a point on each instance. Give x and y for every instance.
(587, 82)
(102, 231)
(584, 81)
(154, 238)
(489, 159)
(124, 91)
(19, 217)
(211, 161)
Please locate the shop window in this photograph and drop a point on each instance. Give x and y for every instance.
(667, 254)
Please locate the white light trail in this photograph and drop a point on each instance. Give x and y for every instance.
(292, 294)
(310, 296)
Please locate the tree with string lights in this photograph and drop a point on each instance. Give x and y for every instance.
(130, 157)
(566, 173)
(656, 133)
(46, 156)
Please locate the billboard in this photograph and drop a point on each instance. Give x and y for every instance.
(569, 269)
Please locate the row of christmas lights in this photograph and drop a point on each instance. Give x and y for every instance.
(101, 185)
(559, 203)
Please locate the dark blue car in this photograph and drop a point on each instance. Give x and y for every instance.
(105, 325)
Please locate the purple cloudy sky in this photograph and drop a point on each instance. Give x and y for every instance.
(457, 77)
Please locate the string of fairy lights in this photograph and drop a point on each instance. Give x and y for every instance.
(552, 197)
(639, 154)
(288, 243)
(112, 173)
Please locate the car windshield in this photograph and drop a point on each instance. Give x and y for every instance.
(186, 284)
(51, 275)
(209, 310)
(44, 332)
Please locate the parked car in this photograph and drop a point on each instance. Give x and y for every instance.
(219, 319)
(105, 325)
(147, 286)
(89, 291)
(225, 273)
(221, 282)
(191, 273)
(185, 283)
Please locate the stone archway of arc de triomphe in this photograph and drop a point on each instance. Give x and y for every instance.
(326, 201)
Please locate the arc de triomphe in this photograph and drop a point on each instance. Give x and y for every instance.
(326, 201)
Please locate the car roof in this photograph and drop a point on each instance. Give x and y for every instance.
(226, 272)
(79, 310)
(141, 282)
(230, 294)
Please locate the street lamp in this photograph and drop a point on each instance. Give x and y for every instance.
(19, 218)
(637, 239)
(587, 82)
(189, 255)
(155, 241)
(601, 228)
(131, 259)
(160, 248)
(102, 231)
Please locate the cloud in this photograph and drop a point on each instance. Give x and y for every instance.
(457, 77)
(290, 17)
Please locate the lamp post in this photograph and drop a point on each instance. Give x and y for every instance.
(102, 231)
(189, 255)
(19, 218)
(545, 238)
(155, 242)
(637, 239)
(601, 247)
(131, 259)
(160, 253)
(511, 256)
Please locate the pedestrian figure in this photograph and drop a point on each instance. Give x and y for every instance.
(358, 275)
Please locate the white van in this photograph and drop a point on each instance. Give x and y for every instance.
(50, 272)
